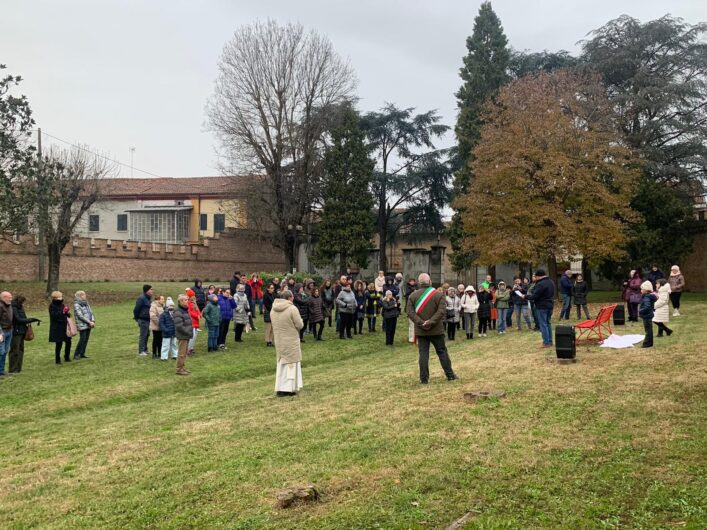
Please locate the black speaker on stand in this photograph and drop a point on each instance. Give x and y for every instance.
(619, 315)
(565, 345)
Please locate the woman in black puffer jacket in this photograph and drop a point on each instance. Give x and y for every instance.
(20, 323)
(59, 316)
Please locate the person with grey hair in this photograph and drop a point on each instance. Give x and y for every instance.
(85, 322)
(6, 317)
(286, 325)
(427, 308)
(183, 332)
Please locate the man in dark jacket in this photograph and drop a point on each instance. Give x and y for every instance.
(235, 281)
(199, 295)
(543, 295)
(141, 315)
(566, 293)
(427, 308)
(183, 332)
(654, 275)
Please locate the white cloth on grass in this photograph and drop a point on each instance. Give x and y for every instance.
(288, 377)
(621, 341)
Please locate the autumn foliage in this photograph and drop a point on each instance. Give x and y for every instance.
(552, 176)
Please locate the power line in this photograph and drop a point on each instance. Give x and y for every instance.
(44, 133)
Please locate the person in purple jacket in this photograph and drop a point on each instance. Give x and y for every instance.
(227, 304)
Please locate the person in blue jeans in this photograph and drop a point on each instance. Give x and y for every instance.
(566, 293)
(503, 302)
(6, 315)
(544, 297)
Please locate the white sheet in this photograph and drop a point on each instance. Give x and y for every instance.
(621, 341)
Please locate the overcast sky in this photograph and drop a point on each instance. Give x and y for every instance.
(115, 74)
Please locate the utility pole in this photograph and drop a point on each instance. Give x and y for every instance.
(41, 220)
(132, 155)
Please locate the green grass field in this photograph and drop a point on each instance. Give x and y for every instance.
(617, 440)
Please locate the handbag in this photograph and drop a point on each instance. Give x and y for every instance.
(29, 334)
(70, 328)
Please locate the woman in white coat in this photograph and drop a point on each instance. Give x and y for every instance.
(470, 305)
(286, 324)
(662, 310)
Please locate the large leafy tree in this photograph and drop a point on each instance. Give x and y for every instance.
(552, 178)
(17, 159)
(656, 79)
(347, 223)
(483, 73)
(411, 179)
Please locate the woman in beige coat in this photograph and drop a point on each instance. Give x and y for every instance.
(662, 310)
(286, 324)
(156, 310)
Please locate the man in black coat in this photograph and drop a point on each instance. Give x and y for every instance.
(235, 281)
(544, 297)
(141, 315)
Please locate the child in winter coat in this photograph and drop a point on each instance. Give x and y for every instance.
(212, 315)
(580, 289)
(169, 336)
(662, 307)
(470, 306)
(195, 315)
(454, 307)
(646, 312)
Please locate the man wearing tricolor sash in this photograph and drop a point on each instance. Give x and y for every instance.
(427, 308)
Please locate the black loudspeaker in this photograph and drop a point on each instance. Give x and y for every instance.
(564, 342)
(619, 315)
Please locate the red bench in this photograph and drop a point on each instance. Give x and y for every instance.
(598, 328)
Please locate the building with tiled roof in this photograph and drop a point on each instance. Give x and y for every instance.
(166, 210)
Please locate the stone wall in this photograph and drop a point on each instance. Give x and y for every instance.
(86, 259)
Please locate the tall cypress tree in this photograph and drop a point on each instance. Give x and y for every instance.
(483, 73)
(347, 222)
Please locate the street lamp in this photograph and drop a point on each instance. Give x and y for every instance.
(294, 232)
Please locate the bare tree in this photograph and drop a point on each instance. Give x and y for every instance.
(71, 184)
(269, 112)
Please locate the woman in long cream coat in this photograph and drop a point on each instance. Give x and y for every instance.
(662, 309)
(286, 324)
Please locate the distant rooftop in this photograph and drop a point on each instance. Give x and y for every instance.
(174, 186)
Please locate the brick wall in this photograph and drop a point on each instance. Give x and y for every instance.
(87, 259)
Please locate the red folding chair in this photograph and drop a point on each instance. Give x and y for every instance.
(598, 328)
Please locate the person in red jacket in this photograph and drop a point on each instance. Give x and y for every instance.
(256, 285)
(195, 315)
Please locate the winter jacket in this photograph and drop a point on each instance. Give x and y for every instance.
(579, 293)
(6, 316)
(389, 309)
(677, 283)
(645, 310)
(346, 301)
(212, 314)
(515, 298)
(372, 302)
(435, 311)
(286, 323)
(233, 284)
(409, 289)
(634, 289)
(256, 287)
(83, 314)
(379, 283)
(484, 304)
(194, 314)
(268, 300)
(360, 304)
(543, 294)
(182, 323)
(315, 309)
(470, 304)
(566, 285)
(156, 309)
(167, 324)
(654, 276)
(503, 298)
(662, 309)
(20, 320)
(226, 305)
(142, 308)
(200, 295)
(242, 310)
(58, 321)
(301, 304)
(454, 307)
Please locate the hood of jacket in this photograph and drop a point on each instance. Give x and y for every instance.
(280, 304)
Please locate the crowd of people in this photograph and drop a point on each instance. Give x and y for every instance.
(290, 311)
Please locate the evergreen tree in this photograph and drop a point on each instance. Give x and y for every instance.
(347, 222)
(484, 72)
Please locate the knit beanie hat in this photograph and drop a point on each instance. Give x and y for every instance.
(647, 286)
(146, 287)
(170, 302)
(540, 272)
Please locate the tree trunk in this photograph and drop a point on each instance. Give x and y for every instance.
(552, 271)
(54, 259)
(382, 235)
(587, 273)
(342, 263)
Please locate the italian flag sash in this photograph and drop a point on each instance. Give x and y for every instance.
(422, 302)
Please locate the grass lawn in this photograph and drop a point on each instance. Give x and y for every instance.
(617, 440)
